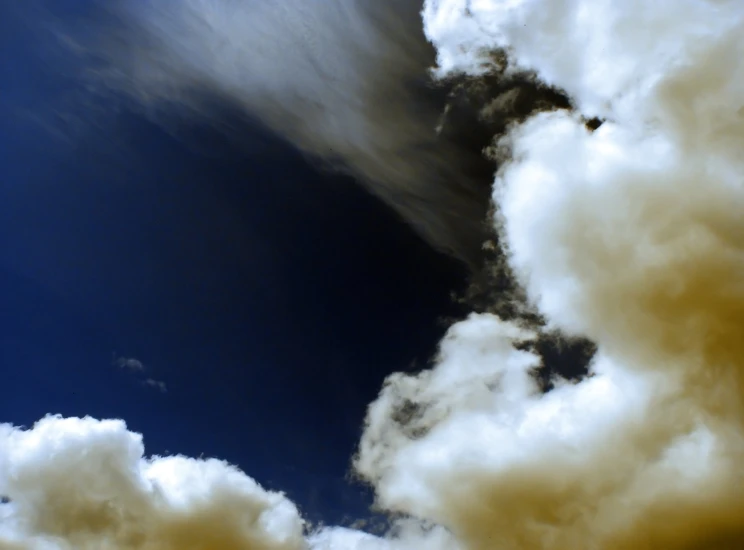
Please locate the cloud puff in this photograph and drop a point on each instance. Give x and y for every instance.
(83, 483)
(137, 367)
(630, 235)
(129, 363)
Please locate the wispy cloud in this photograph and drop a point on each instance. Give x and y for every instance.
(137, 368)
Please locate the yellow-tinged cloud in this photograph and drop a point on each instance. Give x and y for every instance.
(631, 235)
(84, 484)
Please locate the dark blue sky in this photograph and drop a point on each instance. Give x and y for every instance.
(271, 299)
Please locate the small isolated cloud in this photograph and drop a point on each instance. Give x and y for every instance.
(157, 384)
(137, 368)
(129, 363)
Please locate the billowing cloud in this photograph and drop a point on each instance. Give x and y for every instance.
(83, 483)
(629, 234)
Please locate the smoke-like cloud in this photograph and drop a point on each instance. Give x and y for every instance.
(346, 81)
(629, 234)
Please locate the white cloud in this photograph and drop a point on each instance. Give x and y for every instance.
(156, 384)
(129, 363)
(84, 484)
(137, 367)
(631, 235)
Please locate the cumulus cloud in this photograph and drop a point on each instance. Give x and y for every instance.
(629, 234)
(81, 483)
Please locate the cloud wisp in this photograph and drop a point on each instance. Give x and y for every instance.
(346, 81)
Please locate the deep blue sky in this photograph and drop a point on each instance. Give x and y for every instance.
(271, 299)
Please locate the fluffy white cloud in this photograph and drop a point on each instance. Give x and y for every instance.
(630, 235)
(81, 483)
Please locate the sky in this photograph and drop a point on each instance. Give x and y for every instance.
(255, 286)
(577, 161)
